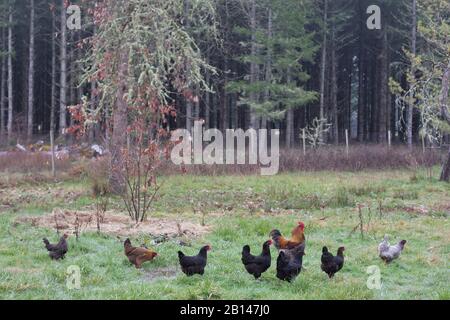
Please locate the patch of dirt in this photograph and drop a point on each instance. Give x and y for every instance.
(119, 225)
(418, 209)
(421, 210)
(440, 207)
(161, 273)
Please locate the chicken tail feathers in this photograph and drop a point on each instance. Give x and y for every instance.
(48, 246)
(180, 254)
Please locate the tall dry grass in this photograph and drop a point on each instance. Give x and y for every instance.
(359, 158)
(364, 157)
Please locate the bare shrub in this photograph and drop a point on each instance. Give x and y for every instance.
(140, 167)
(81, 223)
(97, 171)
(101, 194)
(141, 182)
(360, 224)
(315, 133)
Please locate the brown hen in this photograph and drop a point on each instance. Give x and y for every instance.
(138, 255)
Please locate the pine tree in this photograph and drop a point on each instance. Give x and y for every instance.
(288, 46)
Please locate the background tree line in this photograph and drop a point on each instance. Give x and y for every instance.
(274, 64)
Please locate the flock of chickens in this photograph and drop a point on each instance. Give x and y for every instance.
(289, 261)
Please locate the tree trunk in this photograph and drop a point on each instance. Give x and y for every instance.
(188, 115)
(334, 87)
(107, 125)
(2, 87)
(348, 97)
(445, 174)
(362, 76)
(323, 64)
(409, 120)
(93, 128)
(72, 71)
(78, 87)
(197, 104)
(189, 106)
(10, 74)
(289, 128)
(443, 99)
(224, 97)
(374, 100)
(384, 92)
(289, 119)
(361, 96)
(214, 103)
(268, 75)
(63, 70)
(53, 76)
(31, 74)
(207, 98)
(235, 113)
(119, 136)
(254, 69)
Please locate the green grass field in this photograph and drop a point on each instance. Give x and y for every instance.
(241, 210)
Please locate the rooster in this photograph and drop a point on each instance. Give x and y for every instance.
(59, 250)
(195, 264)
(138, 256)
(297, 237)
(289, 263)
(256, 265)
(389, 253)
(332, 264)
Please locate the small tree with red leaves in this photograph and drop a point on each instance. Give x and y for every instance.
(141, 161)
(141, 58)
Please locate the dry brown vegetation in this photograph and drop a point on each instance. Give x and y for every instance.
(330, 158)
(119, 225)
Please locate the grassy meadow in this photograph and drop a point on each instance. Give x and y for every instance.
(239, 210)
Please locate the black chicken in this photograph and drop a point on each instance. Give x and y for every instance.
(256, 265)
(195, 264)
(289, 263)
(59, 250)
(332, 264)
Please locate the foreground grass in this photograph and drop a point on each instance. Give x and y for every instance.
(243, 210)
